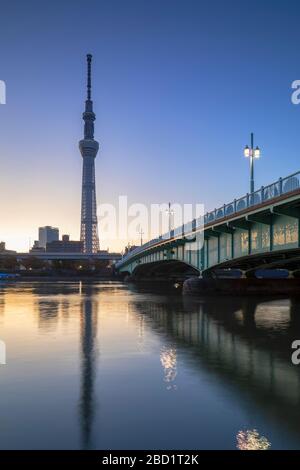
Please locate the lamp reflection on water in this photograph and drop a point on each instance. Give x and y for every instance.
(168, 359)
(251, 440)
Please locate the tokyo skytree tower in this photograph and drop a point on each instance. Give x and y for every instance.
(89, 148)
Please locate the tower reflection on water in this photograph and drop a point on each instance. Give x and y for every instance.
(58, 305)
(88, 335)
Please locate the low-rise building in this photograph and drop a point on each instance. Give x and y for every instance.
(36, 248)
(4, 251)
(65, 245)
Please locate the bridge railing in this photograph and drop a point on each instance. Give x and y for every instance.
(265, 193)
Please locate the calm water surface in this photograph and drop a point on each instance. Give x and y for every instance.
(108, 366)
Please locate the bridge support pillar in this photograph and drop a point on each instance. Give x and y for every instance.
(295, 313)
(248, 309)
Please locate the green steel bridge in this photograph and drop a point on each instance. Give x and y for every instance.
(260, 230)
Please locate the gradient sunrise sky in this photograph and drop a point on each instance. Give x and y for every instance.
(177, 87)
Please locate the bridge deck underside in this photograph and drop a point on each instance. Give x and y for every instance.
(165, 269)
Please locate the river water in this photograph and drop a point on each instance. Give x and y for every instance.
(109, 366)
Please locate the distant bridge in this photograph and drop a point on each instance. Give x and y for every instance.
(44, 256)
(258, 230)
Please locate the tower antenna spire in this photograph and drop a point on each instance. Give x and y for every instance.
(89, 73)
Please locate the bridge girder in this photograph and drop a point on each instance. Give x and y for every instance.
(223, 228)
(261, 218)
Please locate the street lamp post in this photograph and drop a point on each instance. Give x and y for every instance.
(252, 153)
(141, 233)
(170, 212)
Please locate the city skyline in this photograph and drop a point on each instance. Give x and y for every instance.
(177, 135)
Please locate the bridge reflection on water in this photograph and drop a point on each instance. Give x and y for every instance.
(246, 341)
(245, 344)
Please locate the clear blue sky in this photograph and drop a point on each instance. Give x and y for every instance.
(178, 86)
